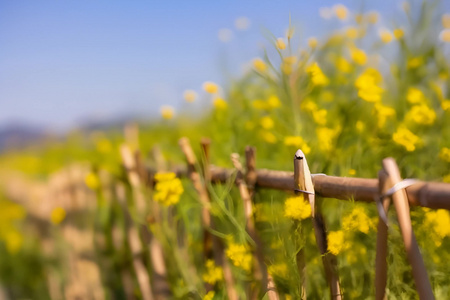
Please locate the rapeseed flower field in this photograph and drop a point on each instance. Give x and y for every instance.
(367, 90)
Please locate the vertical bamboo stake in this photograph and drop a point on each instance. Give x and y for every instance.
(303, 182)
(260, 270)
(135, 247)
(210, 240)
(382, 235)
(401, 204)
(131, 167)
(300, 257)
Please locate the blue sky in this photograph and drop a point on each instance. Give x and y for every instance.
(64, 61)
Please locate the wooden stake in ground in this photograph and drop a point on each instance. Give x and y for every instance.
(210, 240)
(382, 236)
(304, 185)
(260, 270)
(401, 204)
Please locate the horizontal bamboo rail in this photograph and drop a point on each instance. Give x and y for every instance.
(426, 194)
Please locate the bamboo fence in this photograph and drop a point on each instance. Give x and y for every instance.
(151, 271)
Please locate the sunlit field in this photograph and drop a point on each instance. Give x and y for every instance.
(81, 217)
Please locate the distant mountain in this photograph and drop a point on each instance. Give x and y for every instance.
(17, 135)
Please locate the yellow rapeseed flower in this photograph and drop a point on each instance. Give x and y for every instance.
(209, 296)
(415, 62)
(340, 11)
(446, 20)
(406, 138)
(336, 242)
(368, 85)
(286, 68)
(259, 65)
(317, 76)
(267, 122)
(189, 96)
(372, 17)
(281, 44)
(298, 143)
(445, 35)
(279, 270)
(439, 223)
(351, 32)
(297, 208)
(92, 181)
(213, 273)
(320, 116)
(398, 33)
(13, 240)
(444, 154)
(421, 114)
(358, 56)
(210, 87)
(343, 65)
(326, 137)
(220, 103)
(290, 60)
(351, 172)
(273, 102)
(359, 18)
(259, 104)
(385, 36)
(415, 96)
(168, 189)
(268, 137)
(167, 112)
(312, 42)
(240, 256)
(383, 113)
(58, 215)
(360, 126)
(357, 220)
(445, 104)
(103, 145)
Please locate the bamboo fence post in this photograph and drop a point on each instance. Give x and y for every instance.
(210, 241)
(401, 204)
(382, 239)
(134, 243)
(250, 180)
(303, 182)
(300, 257)
(260, 270)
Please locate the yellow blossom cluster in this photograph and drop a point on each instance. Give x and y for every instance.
(403, 136)
(167, 112)
(326, 137)
(10, 213)
(168, 188)
(279, 270)
(357, 220)
(421, 114)
(267, 122)
(318, 78)
(444, 154)
(439, 223)
(368, 85)
(92, 181)
(220, 104)
(297, 208)
(319, 115)
(240, 256)
(209, 296)
(336, 242)
(213, 273)
(58, 215)
(271, 103)
(287, 66)
(297, 142)
(259, 65)
(190, 96)
(383, 113)
(210, 87)
(358, 56)
(280, 44)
